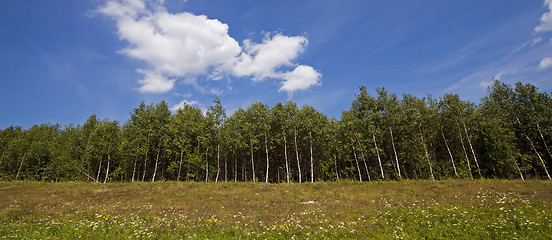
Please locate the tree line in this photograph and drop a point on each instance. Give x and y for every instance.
(381, 137)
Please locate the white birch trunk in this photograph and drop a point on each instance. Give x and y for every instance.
(395, 151)
(363, 157)
(207, 165)
(21, 164)
(297, 154)
(464, 149)
(377, 153)
(358, 166)
(450, 153)
(252, 164)
(543, 141)
(134, 168)
(519, 170)
(235, 166)
(218, 162)
(180, 164)
(99, 170)
(156, 162)
(285, 155)
(540, 158)
(473, 152)
(311, 159)
(267, 161)
(145, 165)
(86, 174)
(107, 171)
(426, 153)
(146, 157)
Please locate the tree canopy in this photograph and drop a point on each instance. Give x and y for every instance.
(382, 137)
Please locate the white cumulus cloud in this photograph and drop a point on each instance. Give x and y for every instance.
(124, 8)
(173, 45)
(545, 63)
(184, 46)
(154, 82)
(263, 59)
(546, 19)
(302, 78)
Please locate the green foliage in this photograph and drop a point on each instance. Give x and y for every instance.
(380, 137)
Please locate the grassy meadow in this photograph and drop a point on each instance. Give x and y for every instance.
(453, 209)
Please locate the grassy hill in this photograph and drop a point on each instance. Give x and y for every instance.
(484, 209)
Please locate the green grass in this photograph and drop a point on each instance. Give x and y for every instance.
(455, 209)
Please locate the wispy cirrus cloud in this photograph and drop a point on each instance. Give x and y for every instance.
(517, 65)
(184, 46)
(527, 63)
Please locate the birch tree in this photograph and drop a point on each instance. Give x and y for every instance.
(388, 107)
(217, 115)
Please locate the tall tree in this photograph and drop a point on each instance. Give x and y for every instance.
(531, 106)
(160, 121)
(104, 146)
(314, 124)
(388, 105)
(260, 122)
(294, 121)
(454, 110)
(364, 107)
(217, 115)
(185, 127)
(280, 124)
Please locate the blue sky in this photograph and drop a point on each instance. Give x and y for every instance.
(61, 61)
